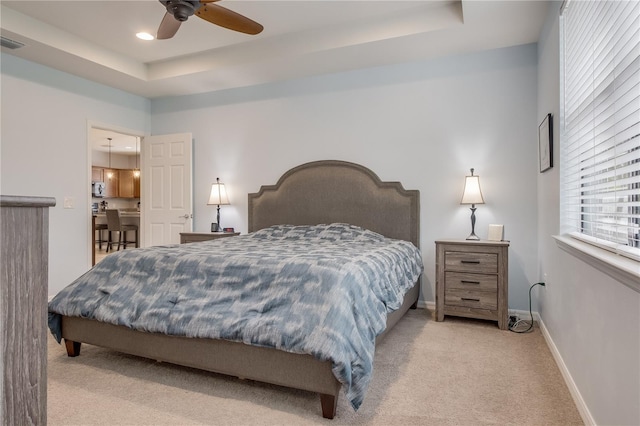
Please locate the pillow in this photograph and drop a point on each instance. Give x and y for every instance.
(344, 231)
(331, 232)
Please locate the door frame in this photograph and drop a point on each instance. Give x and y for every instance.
(93, 124)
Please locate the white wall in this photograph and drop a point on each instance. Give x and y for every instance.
(44, 150)
(118, 161)
(423, 124)
(593, 320)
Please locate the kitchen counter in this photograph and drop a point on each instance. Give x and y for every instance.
(123, 213)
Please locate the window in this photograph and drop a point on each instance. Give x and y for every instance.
(600, 124)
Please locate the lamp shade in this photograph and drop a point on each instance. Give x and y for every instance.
(218, 194)
(472, 193)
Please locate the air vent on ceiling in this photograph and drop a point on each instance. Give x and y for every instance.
(10, 44)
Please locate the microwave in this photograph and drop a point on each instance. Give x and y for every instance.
(98, 189)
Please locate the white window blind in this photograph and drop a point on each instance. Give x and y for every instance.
(600, 124)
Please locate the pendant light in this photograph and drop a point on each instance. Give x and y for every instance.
(109, 173)
(136, 171)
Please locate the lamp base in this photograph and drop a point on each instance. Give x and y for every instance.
(473, 236)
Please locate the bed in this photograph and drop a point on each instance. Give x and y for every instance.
(345, 196)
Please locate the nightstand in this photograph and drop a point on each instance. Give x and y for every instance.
(194, 237)
(472, 280)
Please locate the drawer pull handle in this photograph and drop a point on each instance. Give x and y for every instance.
(468, 299)
(470, 282)
(475, 262)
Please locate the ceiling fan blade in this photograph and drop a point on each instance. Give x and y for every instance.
(228, 19)
(168, 27)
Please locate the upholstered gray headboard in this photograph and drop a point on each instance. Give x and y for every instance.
(337, 191)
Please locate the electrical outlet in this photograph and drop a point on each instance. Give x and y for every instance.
(69, 203)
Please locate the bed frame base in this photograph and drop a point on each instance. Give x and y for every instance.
(298, 198)
(73, 348)
(221, 356)
(329, 403)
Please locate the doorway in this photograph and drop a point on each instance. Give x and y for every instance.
(114, 161)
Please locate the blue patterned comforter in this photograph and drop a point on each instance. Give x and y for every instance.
(323, 290)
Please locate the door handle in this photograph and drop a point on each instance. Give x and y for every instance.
(186, 216)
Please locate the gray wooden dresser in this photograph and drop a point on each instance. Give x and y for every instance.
(24, 227)
(472, 280)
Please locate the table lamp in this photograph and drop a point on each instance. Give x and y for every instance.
(472, 195)
(218, 197)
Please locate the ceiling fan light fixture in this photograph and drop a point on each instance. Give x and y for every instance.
(181, 9)
(144, 36)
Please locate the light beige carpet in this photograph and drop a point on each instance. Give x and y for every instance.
(459, 371)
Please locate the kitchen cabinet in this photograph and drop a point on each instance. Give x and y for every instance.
(128, 184)
(111, 183)
(122, 184)
(97, 174)
(125, 183)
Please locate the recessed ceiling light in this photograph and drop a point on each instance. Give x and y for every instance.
(145, 36)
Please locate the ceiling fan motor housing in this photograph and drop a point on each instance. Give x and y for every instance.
(181, 9)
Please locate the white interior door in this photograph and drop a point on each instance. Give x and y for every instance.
(166, 193)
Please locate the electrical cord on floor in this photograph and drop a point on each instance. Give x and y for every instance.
(521, 321)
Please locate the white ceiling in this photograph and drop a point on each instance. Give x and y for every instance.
(96, 39)
(120, 143)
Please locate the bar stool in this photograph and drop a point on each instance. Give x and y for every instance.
(114, 225)
(100, 227)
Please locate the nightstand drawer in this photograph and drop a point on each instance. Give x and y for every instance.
(471, 299)
(470, 282)
(483, 263)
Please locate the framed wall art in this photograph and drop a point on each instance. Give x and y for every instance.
(545, 143)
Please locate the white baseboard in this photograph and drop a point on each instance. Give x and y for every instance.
(587, 418)
(427, 305)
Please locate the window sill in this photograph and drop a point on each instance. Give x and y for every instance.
(625, 270)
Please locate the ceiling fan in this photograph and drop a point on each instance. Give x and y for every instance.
(179, 11)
